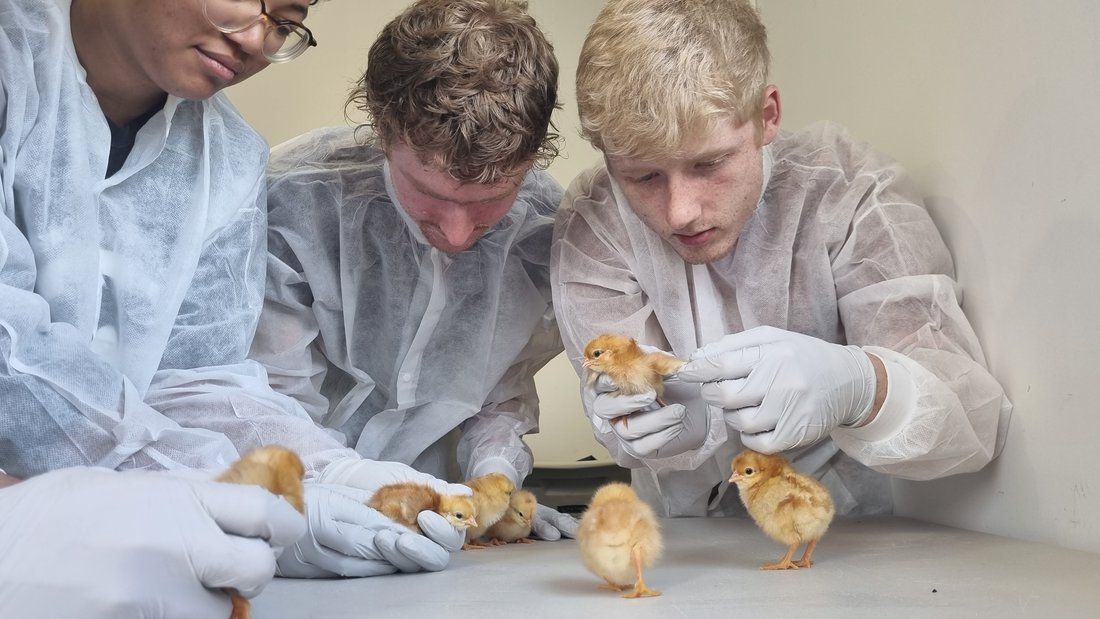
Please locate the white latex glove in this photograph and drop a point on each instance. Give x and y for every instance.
(651, 431)
(347, 538)
(95, 543)
(550, 524)
(782, 389)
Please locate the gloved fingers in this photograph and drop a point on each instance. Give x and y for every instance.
(608, 406)
(386, 543)
(650, 445)
(244, 564)
(412, 553)
(437, 529)
(751, 419)
(676, 439)
(294, 564)
(645, 423)
(710, 364)
(456, 489)
(331, 563)
(731, 394)
(544, 530)
(604, 384)
(562, 524)
(251, 511)
(764, 442)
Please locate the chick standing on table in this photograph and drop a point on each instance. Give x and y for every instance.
(631, 369)
(491, 497)
(788, 506)
(515, 524)
(278, 470)
(619, 537)
(404, 501)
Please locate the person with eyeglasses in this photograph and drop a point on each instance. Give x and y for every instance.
(132, 257)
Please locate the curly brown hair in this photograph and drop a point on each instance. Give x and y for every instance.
(471, 84)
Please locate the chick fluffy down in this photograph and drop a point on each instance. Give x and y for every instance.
(615, 523)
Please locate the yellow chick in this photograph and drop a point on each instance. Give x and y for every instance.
(619, 536)
(632, 370)
(788, 506)
(280, 471)
(492, 495)
(403, 502)
(515, 524)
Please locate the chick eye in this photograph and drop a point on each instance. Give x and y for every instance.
(596, 354)
(748, 471)
(459, 515)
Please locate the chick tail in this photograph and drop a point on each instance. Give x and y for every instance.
(785, 563)
(807, 557)
(640, 588)
(241, 607)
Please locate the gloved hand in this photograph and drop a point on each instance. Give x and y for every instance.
(95, 543)
(370, 475)
(347, 538)
(651, 431)
(782, 389)
(550, 524)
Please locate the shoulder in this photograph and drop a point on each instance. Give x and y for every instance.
(826, 150)
(327, 152)
(231, 137)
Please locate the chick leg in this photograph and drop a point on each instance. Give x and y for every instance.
(241, 607)
(785, 563)
(640, 589)
(610, 586)
(806, 560)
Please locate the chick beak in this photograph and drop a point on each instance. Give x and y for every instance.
(587, 363)
(736, 477)
(471, 522)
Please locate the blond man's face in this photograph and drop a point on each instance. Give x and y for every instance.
(699, 202)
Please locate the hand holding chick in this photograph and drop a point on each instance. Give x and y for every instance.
(403, 502)
(619, 536)
(632, 370)
(788, 506)
(280, 471)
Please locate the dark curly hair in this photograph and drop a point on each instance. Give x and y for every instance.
(471, 84)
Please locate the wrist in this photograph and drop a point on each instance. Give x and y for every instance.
(495, 465)
(897, 405)
(882, 384)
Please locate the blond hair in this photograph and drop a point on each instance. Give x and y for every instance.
(653, 73)
(470, 85)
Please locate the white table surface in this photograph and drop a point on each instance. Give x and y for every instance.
(864, 567)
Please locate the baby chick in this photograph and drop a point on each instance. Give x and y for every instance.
(515, 524)
(788, 506)
(619, 536)
(492, 495)
(280, 471)
(632, 370)
(404, 501)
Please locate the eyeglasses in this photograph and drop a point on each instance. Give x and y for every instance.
(284, 39)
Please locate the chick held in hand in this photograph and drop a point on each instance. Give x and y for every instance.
(403, 501)
(788, 506)
(633, 370)
(620, 537)
(280, 471)
(515, 525)
(492, 496)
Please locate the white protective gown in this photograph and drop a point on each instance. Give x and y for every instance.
(127, 304)
(406, 352)
(840, 247)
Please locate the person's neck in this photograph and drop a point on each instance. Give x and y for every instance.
(123, 93)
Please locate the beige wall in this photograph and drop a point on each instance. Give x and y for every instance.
(986, 102)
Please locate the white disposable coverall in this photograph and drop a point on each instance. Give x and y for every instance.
(839, 247)
(409, 353)
(127, 304)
